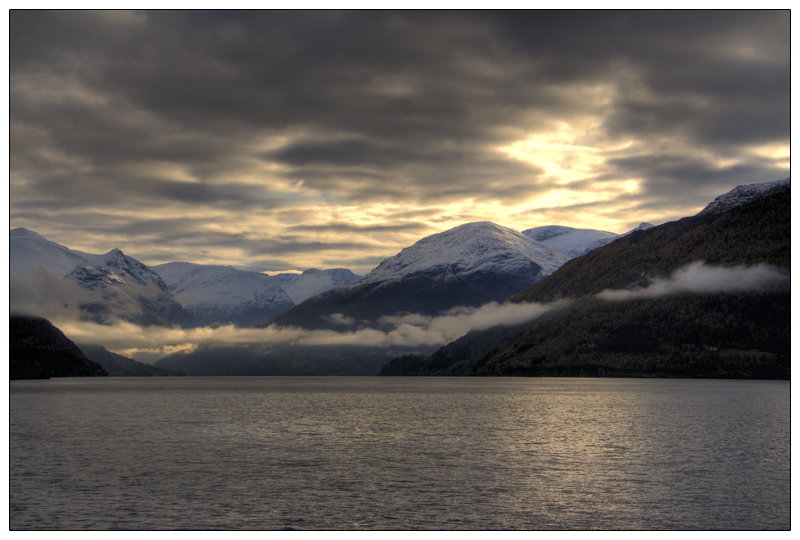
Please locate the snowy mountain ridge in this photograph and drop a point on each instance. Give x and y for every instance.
(570, 241)
(575, 242)
(29, 251)
(216, 294)
(128, 269)
(465, 250)
(111, 286)
(743, 194)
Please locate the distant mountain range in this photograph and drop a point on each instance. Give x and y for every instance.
(115, 286)
(120, 366)
(109, 286)
(465, 266)
(217, 295)
(618, 323)
(468, 265)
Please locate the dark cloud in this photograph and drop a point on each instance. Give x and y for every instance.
(162, 111)
(416, 228)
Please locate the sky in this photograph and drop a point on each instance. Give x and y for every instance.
(278, 141)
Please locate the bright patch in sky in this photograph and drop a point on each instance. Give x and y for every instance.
(280, 141)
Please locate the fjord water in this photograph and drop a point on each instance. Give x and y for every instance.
(399, 453)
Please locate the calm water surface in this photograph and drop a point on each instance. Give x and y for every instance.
(399, 453)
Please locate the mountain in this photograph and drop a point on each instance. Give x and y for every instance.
(29, 251)
(569, 241)
(469, 265)
(39, 350)
(313, 282)
(121, 366)
(110, 286)
(118, 286)
(744, 333)
(257, 359)
(744, 194)
(575, 242)
(640, 227)
(114, 285)
(285, 278)
(218, 295)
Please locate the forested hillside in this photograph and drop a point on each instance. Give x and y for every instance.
(753, 233)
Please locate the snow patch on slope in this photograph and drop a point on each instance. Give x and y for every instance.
(745, 194)
(576, 242)
(569, 241)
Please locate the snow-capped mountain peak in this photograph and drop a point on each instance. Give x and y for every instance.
(21, 232)
(466, 249)
(114, 286)
(29, 251)
(744, 194)
(128, 268)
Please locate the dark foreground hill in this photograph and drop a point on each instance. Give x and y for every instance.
(39, 350)
(730, 335)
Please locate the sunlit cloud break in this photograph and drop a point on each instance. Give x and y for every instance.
(698, 277)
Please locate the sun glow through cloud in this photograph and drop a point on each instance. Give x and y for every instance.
(224, 152)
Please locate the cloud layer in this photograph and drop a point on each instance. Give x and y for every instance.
(401, 330)
(286, 140)
(409, 330)
(700, 278)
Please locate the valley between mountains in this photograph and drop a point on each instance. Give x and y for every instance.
(704, 296)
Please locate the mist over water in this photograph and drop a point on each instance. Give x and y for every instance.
(399, 453)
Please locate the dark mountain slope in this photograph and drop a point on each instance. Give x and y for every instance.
(279, 360)
(34, 340)
(122, 366)
(745, 335)
(691, 335)
(756, 232)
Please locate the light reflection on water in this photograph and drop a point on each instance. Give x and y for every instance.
(399, 453)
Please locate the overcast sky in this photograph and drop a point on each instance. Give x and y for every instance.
(280, 141)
